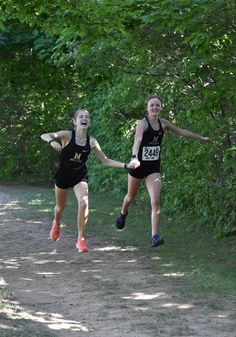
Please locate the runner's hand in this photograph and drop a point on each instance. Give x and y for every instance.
(57, 146)
(133, 164)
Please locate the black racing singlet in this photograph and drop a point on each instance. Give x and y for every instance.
(73, 155)
(72, 168)
(149, 152)
(150, 147)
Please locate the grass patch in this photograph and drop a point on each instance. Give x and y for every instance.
(200, 263)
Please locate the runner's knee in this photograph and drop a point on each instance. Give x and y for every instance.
(60, 208)
(83, 203)
(155, 203)
(129, 198)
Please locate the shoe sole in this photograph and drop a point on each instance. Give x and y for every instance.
(158, 243)
(53, 239)
(81, 251)
(120, 227)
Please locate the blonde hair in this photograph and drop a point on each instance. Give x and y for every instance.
(78, 112)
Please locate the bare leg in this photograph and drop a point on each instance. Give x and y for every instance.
(60, 196)
(133, 186)
(153, 183)
(81, 193)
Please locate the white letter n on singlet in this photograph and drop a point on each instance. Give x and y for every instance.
(77, 156)
(155, 140)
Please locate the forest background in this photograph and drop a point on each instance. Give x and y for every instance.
(107, 57)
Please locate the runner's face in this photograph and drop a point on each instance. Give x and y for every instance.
(154, 107)
(83, 120)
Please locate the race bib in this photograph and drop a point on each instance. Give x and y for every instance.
(151, 153)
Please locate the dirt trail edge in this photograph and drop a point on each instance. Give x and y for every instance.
(109, 291)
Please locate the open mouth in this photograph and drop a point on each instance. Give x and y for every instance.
(84, 123)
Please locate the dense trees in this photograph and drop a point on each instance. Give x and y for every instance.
(107, 56)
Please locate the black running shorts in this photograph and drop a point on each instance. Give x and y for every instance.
(145, 170)
(67, 179)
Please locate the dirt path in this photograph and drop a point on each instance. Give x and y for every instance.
(107, 292)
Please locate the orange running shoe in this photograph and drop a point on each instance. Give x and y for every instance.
(82, 246)
(55, 232)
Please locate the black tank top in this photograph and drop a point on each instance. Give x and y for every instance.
(150, 147)
(74, 156)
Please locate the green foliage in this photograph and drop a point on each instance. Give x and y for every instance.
(108, 56)
(34, 98)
